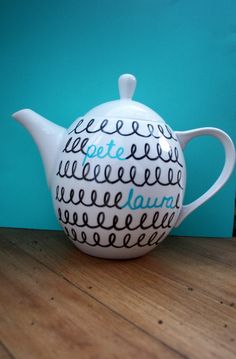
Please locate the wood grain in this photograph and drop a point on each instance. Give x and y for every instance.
(179, 301)
(4, 352)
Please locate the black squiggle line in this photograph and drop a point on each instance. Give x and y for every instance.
(77, 198)
(165, 130)
(75, 145)
(73, 219)
(69, 171)
(172, 153)
(142, 241)
(170, 135)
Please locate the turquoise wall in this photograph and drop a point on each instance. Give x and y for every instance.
(62, 58)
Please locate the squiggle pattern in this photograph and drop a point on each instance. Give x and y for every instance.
(106, 175)
(121, 233)
(66, 217)
(78, 145)
(127, 241)
(102, 126)
(107, 201)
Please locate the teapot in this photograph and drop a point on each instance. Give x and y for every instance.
(117, 175)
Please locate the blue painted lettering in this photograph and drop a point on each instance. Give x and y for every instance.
(134, 202)
(108, 150)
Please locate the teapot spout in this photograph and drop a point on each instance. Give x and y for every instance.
(46, 135)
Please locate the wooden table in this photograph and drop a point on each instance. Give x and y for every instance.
(179, 301)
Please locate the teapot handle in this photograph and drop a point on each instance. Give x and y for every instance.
(184, 137)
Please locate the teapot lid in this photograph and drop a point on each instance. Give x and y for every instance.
(125, 107)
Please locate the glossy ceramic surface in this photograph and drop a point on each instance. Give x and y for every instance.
(118, 185)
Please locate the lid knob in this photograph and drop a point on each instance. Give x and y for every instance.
(127, 84)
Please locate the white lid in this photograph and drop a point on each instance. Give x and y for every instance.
(125, 107)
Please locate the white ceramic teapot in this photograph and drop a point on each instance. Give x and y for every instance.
(118, 174)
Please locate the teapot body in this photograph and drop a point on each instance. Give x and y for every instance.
(118, 185)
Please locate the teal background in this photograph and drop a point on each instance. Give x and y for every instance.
(61, 58)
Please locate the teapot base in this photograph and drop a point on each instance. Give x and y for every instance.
(114, 253)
